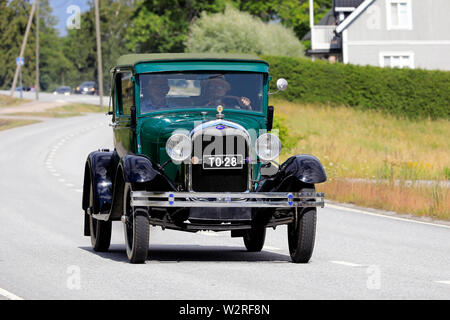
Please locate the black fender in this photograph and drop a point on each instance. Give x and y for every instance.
(98, 172)
(306, 168)
(295, 172)
(143, 174)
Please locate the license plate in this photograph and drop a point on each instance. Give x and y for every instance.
(222, 162)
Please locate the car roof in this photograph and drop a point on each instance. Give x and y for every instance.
(133, 59)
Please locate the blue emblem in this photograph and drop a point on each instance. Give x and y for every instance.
(220, 127)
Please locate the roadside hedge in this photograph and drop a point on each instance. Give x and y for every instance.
(403, 92)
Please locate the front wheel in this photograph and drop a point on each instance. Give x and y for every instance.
(136, 229)
(301, 235)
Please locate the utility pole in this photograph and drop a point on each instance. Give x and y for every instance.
(22, 49)
(99, 53)
(37, 50)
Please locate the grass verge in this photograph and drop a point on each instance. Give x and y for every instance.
(374, 146)
(7, 101)
(12, 123)
(71, 110)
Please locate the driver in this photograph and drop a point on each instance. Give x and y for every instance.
(215, 92)
(154, 94)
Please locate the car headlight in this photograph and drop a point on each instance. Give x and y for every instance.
(179, 147)
(268, 146)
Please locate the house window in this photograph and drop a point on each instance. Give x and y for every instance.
(397, 59)
(399, 14)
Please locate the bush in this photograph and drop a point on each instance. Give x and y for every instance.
(239, 32)
(402, 92)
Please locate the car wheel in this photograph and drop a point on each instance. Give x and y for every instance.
(100, 230)
(302, 233)
(254, 239)
(136, 229)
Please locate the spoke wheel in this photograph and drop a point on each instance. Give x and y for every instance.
(100, 230)
(136, 229)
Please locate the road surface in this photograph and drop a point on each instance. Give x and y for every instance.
(43, 254)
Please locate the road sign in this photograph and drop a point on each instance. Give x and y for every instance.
(20, 60)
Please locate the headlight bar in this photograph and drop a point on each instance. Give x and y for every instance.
(231, 199)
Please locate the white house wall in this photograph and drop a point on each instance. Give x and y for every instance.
(428, 39)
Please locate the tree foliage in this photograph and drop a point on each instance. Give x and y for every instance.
(162, 25)
(292, 13)
(239, 32)
(80, 46)
(13, 21)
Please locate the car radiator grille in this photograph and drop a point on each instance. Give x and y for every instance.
(221, 180)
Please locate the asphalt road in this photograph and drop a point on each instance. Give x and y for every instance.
(43, 254)
(44, 96)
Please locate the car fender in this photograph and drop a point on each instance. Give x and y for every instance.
(305, 168)
(297, 172)
(99, 172)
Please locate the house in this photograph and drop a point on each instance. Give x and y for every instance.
(385, 33)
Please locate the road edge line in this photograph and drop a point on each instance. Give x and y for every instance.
(329, 205)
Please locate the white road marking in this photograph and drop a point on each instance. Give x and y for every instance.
(209, 233)
(444, 282)
(56, 174)
(78, 190)
(269, 248)
(69, 185)
(385, 216)
(9, 295)
(348, 264)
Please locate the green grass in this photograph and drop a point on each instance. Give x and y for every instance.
(72, 110)
(366, 144)
(6, 124)
(7, 101)
(371, 145)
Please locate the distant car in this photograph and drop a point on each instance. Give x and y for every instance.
(87, 87)
(24, 88)
(65, 90)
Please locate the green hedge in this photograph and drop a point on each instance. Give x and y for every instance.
(402, 92)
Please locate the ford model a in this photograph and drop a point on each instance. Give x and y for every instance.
(194, 151)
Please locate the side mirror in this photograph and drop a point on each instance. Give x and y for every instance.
(282, 85)
(133, 120)
(269, 118)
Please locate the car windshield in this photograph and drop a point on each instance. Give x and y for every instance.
(231, 90)
(88, 84)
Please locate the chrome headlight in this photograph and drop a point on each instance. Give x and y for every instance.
(179, 147)
(268, 146)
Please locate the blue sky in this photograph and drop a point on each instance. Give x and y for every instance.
(60, 11)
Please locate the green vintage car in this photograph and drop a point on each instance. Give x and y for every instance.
(195, 150)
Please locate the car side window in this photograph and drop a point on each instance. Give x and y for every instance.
(126, 88)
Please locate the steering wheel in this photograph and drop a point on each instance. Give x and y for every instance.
(233, 101)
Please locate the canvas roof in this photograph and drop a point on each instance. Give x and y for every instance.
(133, 59)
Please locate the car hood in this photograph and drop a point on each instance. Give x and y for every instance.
(160, 127)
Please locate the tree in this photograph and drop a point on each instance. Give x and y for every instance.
(162, 25)
(13, 21)
(80, 44)
(292, 13)
(239, 32)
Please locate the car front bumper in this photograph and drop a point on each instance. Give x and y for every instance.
(232, 199)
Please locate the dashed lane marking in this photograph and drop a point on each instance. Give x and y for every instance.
(444, 282)
(348, 264)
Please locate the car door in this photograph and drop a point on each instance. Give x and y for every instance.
(124, 140)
